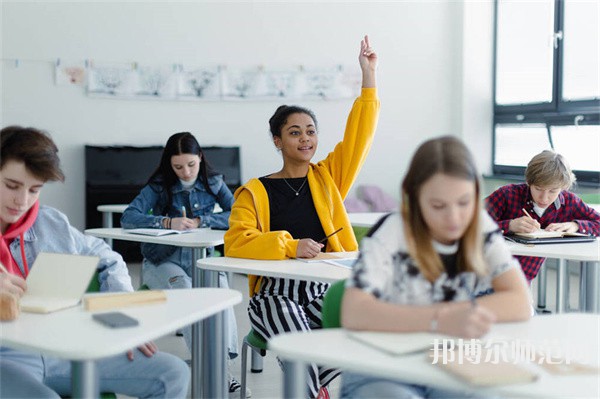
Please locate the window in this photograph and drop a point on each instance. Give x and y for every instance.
(547, 85)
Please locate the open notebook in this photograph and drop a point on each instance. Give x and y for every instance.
(158, 232)
(57, 281)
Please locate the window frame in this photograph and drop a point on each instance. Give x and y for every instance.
(555, 113)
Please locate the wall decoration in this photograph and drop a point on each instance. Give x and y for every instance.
(153, 81)
(69, 73)
(112, 79)
(199, 83)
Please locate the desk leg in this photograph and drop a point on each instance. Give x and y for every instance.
(214, 350)
(107, 221)
(589, 292)
(294, 379)
(84, 379)
(197, 253)
(541, 281)
(562, 279)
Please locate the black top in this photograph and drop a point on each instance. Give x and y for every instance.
(293, 213)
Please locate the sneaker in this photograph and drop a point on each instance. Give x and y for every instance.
(323, 393)
(235, 387)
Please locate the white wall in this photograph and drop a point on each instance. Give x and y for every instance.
(425, 73)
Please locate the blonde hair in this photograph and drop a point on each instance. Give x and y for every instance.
(549, 168)
(449, 156)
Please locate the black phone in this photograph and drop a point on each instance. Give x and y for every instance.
(115, 319)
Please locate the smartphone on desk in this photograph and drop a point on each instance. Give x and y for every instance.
(115, 319)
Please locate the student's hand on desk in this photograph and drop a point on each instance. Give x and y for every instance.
(183, 223)
(464, 320)
(569, 227)
(308, 248)
(148, 349)
(524, 224)
(12, 284)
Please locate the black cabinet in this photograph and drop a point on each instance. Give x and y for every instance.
(116, 174)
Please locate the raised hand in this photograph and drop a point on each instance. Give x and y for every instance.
(368, 62)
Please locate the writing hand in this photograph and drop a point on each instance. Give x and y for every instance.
(464, 320)
(12, 284)
(183, 223)
(569, 227)
(308, 248)
(148, 349)
(524, 224)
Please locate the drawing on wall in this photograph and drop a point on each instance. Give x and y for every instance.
(113, 80)
(69, 73)
(221, 83)
(156, 81)
(240, 83)
(330, 83)
(200, 83)
(281, 83)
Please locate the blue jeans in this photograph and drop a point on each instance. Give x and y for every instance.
(170, 275)
(364, 386)
(160, 376)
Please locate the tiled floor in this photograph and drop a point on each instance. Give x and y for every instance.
(268, 383)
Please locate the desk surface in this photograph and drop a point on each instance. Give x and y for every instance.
(579, 251)
(112, 208)
(290, 268)
(333, 347)
(73, 334)
(200, 239)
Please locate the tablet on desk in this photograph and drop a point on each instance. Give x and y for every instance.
(565, 239)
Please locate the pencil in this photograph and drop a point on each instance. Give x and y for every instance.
(525, 212)
(326, 237)
(183, 210)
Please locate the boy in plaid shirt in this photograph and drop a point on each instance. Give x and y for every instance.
(546, 198)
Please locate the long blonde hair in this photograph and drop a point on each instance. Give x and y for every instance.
(449, 156)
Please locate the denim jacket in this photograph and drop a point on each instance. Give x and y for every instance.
(150, 207)
(51, 232)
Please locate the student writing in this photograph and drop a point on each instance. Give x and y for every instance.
(181, 194)
(29, 159)
(545, 196)
(418, 269)
(284, 214)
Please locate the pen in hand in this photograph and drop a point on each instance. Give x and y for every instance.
(526, 213)
(183, 211)
(326, 237)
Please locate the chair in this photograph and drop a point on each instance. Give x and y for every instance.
(332, 303)
(259, 347)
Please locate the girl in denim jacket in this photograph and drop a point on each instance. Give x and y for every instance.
(181, 194)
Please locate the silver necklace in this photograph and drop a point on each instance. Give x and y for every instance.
(292, 188)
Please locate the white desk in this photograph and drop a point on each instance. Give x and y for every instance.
(107, 215)
(332, 347)
(365, 219)
(290, 268)
(587, 252)
(54, 334)
(198, 242)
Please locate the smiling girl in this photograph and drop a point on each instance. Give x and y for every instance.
(286, 214)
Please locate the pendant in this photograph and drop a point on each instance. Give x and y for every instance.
(297, 194)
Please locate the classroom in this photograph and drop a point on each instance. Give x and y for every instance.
(444, 68)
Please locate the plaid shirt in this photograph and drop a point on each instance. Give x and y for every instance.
(505, 204)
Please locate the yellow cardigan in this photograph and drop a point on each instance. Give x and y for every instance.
(249, 234)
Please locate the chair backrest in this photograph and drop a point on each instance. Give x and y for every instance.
(332, 304)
